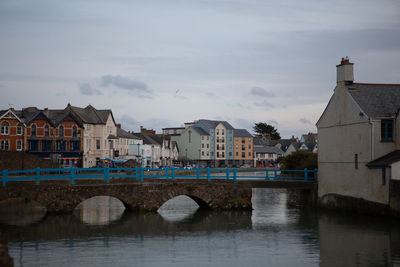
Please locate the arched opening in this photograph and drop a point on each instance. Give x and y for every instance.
(100, 210)
(21, 212)
(181, 207)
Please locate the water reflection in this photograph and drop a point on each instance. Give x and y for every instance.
(277, 232)
(178, 208)
(21, 212)
(100, 210)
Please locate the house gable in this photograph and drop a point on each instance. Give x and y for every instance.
(342, 109)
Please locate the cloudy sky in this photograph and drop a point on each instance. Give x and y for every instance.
(160, 63)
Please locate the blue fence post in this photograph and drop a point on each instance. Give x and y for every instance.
(208, 174)
(37, 175)
(141, 174)
(166, 173)
(173, 174)
(315, 174)
(197, 173)
(305, 174)
(227, 173)
(5, 176)
(276, 178)
(72, 174)
(234, 176)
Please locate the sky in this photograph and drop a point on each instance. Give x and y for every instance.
(161, 63)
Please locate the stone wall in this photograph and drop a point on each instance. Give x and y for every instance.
(135, 196)
(394, 196)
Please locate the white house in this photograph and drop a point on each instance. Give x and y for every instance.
(359, 142)
(99, 134)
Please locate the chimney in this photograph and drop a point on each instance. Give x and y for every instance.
(46, 112)
(344, 70)
(119, 125)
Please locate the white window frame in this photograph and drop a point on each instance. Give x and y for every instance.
(21, 129)
(5, 129)
(3, 145)
(19, 145)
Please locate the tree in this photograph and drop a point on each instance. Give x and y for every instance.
(264, 129)
(300, 160)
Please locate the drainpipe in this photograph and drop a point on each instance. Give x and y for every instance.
(372, 139)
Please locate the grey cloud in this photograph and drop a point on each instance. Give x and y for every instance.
(258, 91)
(121, 82)
(181, 97)
(239, 105)
(265, 104)
(305, 121)
(87, 89)
(209, 94)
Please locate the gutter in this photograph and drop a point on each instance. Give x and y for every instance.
(372, 139)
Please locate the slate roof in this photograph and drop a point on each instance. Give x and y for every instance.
(200, 131)
(147, 140)
(124, 134)
(90, 114)
(268, 149)
(241, 132)
(377, 100)
(385, 161)
(212, 124)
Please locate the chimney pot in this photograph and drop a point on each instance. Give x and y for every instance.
(344, 71)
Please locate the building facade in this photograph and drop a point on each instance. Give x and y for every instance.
(358, 138)
(12, 134)
(243, 148)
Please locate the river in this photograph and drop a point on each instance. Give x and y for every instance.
(279, 231)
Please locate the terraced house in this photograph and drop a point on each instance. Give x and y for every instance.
(243, 148)
(53, 134)
(12, 130)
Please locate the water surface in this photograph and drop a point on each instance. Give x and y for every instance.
(278, 232)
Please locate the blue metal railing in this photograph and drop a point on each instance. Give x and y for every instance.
(167, 173)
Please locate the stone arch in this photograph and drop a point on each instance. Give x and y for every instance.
(83, 199)
(203, 205)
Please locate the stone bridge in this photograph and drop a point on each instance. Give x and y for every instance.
(135, 196)
(62, 196)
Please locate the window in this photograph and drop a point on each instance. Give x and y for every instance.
(243, 154)
(74, 132)
(223, 132)
(217, 154)
(217, 131)
(33, 130)
(74, 146)
(387, 130)
(5, 128)
(230, 154)
(202, 145)
(223, 154)
(33, 145)
(111, 143)
(202, 153)
(166, 131)
(217, 139)
(223, 147)
(249, 146)
(243, 147)
(208, 137)
(19, 145)
(19, 130)
(212, 154)
(208, 153)
(208, 145)
(88, 127)
(60, 145)
(223, 139)
(46, 145)
(218, 146)
(202, 137)
(249, 154)
(61, 131)
(46, 130)
(237, 153)
(4, 145)
(97, 144)
(356, 161)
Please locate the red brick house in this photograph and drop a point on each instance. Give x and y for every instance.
(12, 130)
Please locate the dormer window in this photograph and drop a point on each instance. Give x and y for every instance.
(387, 130)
